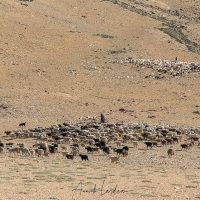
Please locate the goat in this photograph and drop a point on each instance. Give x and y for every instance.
(100, 144)
(75, 151)
(125, 148)
(64, 153)
(118, 143)
(64, 147)
(149, 144)
(175, 139)
(40, 152)
(114, 159)
(125, 153)
(74, 145)
(155, 144)
(104, 139)
(191, 143)
(106, 150)
(15, 150)
(10, 144)
(195, 139)
(91, 142)
(119, 151)
(95, 149)
(22, 124)
(82, 145)
(163, 142)
(25, 151)
(169, 141)
(135, 144)
(53, 148)
(46, 153)
(1, 149)
(67, 140)
(32, 152)
(83, 157)
(92, 149)
(1, 144)
(21, 145)
(170, 152)
(89, 149)
(8, 132)
(184, 146)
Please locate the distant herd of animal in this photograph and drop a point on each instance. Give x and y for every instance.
(90, 136)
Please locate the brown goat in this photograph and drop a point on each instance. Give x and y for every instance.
(22, 124)
(170, 152)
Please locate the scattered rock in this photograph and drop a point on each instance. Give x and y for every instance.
(196, 112)
(122, 110)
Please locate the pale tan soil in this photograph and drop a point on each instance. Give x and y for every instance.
(144, 174)
(55, 66)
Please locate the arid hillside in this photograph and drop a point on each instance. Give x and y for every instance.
(59, 61)
(67, 61)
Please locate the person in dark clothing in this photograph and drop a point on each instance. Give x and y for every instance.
(102, 118)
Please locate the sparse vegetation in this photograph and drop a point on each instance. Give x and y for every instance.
(65, 70)
(117, 51)
(104, 36)
(178, 35)
(172, 27)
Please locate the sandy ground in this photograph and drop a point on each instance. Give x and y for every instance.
(57, 64)
(144, 174)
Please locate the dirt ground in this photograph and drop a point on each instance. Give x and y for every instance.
(143, 174)
(58, 64)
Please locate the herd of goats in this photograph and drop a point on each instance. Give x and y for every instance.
(173, 68)
(95, 136)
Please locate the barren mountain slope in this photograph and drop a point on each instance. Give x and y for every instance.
(57, 61)
(61, 60)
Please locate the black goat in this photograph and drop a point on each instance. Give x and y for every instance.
(89, 149)
(1, 144)
(42, 147)
(125, 152)
(22, 124)
(100, 144)
(96, 140)
(163, 142)
(83, 157)
(169, 141)
(56, 138)
(106, 150)
(64, 134)
(92, 149)
(118, 151)
(122, 151)
(155, 144)
(125, 148)
(53, 148)
(175, 139)
(184, 146)
(49, 134)
(149, 144)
